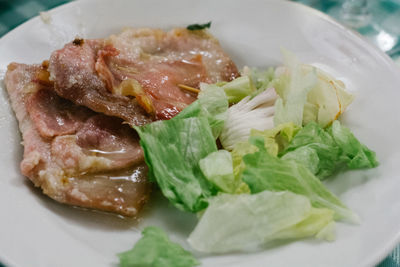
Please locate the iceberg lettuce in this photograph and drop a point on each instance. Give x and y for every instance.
(266, 172)
(353, 153)
(275, 140)
(238, 89)
(239, 222)
(307, 94)
(261, 79)
(324, 151)
(217, 167)
(212, 104)
(292, 86)
(278, 138)
(173, 149)
(155, 249)
(251, 83)
(315, 148)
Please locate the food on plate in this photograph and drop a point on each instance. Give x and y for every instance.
(106, 118)
(145, 64)
(156, 249)
(259, 218)
(277, 144)
(75, 155)
(75, 110)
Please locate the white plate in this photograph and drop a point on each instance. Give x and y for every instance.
(36, 231)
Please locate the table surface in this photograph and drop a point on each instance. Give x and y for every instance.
(15, 12)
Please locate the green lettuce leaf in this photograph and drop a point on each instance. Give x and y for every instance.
(261, 79)
(173, 149)
(155, 249)
(238, 89)
(315, 148)
(278, 138)
(266, 172)
(308, 157)
(353, 153)
(237, 222)
(252, 82)
(241, 149)
(307, 94)
(217, 167)
(212, 103)
(275, 140)
(319, 223)
(324, 151)
(292, 86)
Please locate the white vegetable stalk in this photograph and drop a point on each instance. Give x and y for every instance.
(257, 113)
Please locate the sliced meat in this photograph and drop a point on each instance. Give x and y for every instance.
(135, 75)
(73, 70)
(53, 115)
(75, 155)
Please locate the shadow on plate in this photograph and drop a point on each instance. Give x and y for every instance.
(156, 212)
(77, 215)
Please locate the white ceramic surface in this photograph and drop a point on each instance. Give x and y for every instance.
(36, 231)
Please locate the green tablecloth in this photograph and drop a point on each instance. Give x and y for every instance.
(15, 12)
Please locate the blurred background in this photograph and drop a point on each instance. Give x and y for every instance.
(377, 20)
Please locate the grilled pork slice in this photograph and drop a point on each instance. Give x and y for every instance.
(75, 155)
(135, 75)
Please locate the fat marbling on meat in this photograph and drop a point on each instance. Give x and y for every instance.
(135, 75)
(75, 155)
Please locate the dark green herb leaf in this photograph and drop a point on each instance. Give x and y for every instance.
(195, 27)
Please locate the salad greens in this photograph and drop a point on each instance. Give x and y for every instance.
(172, 152)
(354, 154)
(217, 167)
(324, 151)
(292, 86)
(274, 140)
(307, 94)
(314, 148)
(236, 222)
(266, 172)
(261, 79)
(280, 138)
(238, 89)
(155, 249)
(174, 148)
(211, 104)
